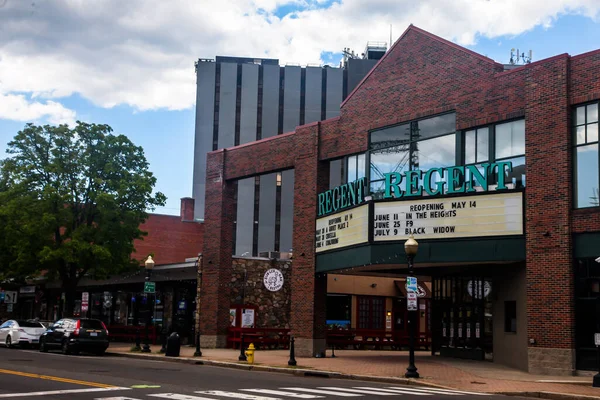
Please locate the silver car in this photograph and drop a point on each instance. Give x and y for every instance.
(20, 332)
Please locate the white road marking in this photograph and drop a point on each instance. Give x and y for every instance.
(359, 390)
(425, 390)
(329, 392)
(55, 392)
(115, 398)
(445, 391)
(241, 396)
(282, 393)
(397, 391)
(176, 396)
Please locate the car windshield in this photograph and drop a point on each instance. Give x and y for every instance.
(29, 324)
(91, 324)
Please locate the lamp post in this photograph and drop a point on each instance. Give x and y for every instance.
(198, 352)
(149, 264)
(411, 246)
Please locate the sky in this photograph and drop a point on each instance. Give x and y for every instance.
(130, 64)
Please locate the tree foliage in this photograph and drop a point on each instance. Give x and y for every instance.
(71, 203)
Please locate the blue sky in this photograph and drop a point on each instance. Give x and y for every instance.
(140, 80)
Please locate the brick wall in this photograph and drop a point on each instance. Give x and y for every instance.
(170, 239)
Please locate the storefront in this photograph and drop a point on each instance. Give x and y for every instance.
(494, 171)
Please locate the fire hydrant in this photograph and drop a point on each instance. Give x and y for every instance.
(250, 353)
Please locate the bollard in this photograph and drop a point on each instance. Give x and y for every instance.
(292, 361)
(242, 356)
(596, 379)
(332, 350)
(198, 353)
(163, 338)
(138, 340)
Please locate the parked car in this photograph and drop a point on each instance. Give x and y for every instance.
(20, 332)
(75, 335)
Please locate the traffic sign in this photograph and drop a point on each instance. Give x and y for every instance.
(149, 287)
(411, 284)
(411, 303)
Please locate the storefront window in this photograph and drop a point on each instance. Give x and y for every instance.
(339, 307)
(587, 311)
(587, 180)
(371, 312)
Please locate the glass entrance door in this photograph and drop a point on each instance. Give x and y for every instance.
(462, 317)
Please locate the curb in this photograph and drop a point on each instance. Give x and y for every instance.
(340, 375)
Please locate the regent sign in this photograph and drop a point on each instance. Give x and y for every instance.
(343, 196)
(448, 180)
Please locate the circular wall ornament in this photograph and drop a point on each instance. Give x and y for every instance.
(273, 280)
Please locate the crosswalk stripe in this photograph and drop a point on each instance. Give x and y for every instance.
(397, 391)
(241, 396)
(446, 391)
(426, 391)
(359, 390)
(329, 392)
(59, 392)
(176, 396)
(282, 393)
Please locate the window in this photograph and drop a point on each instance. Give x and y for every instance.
(510, 316)
(477, 145)
(500, 142)
(423, 145)
(338, 311)
(587, 180)
(355, 167)
(370, 312)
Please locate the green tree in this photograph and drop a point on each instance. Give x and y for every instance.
(71, 203)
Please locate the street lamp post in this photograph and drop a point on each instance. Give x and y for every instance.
(149, 264)
(411, 246)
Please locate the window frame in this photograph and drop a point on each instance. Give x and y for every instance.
(576, 146)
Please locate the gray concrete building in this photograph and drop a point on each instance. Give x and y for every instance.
(241, 100)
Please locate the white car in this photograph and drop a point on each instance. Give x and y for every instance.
(20, 332)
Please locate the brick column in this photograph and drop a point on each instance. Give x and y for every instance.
(550, 292)
(308, 291)
(217, 250)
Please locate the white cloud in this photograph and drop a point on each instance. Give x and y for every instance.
(18, 107)
(141, 52)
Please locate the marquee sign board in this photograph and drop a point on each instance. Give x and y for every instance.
(458, 217)
(343, 229)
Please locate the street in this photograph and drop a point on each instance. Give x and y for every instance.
(30, 374)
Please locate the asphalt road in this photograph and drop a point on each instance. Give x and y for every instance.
(29, 374)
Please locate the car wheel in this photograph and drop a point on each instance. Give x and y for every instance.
(8, 342)
(43, 347)
(65, 347)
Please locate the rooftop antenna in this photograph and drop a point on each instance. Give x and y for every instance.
(516, 58)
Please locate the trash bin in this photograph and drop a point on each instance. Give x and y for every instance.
(173, 345)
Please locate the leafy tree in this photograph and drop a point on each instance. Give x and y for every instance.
(71, 203)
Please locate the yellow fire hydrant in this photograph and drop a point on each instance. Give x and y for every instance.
(250, 353)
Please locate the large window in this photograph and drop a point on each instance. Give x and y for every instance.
(423, 144)
(371, 312)
(494, 143)
(587, 179)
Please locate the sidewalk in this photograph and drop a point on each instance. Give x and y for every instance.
(466, 375)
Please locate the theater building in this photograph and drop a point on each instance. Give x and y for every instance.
(494, 171)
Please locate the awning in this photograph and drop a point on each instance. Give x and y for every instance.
(423, 291)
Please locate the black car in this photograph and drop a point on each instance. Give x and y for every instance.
(75, 335)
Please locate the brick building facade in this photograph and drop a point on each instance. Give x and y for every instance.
(534, 274)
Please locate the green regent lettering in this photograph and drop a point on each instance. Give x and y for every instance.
(445, 180)
(340, 197)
